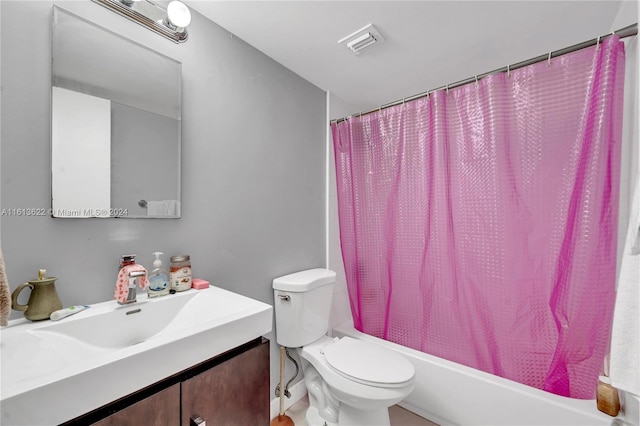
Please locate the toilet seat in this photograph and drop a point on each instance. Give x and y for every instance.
(369, 364)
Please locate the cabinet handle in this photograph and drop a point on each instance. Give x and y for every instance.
(198, 421)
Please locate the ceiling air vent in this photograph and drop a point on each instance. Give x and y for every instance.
(361, 39)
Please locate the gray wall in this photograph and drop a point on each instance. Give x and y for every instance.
(253, 174)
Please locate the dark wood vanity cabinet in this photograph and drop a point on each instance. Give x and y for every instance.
(235, 393)
(227, 390)
(160, 409)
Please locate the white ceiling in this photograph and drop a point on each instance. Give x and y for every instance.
(428, 43)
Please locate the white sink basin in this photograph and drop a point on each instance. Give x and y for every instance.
(72, 366)
(121, 325)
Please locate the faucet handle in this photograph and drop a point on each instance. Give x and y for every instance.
(134, 280)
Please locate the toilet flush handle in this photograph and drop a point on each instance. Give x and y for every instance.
(284, 297)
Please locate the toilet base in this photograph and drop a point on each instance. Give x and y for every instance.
(350, 416)
(313, 418)
(353, 416)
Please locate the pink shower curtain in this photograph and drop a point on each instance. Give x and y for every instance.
(479, 225)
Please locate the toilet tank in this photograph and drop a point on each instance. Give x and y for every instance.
(303, 305)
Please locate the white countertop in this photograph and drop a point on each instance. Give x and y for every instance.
(55, 371)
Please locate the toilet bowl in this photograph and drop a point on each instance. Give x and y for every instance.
(349, 382)
(359, 381)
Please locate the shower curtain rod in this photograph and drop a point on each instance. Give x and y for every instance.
(629, 31)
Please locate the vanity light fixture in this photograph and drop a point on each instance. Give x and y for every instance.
(178, 16)
(170, 22)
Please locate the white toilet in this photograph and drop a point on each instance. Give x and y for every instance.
(350, 382)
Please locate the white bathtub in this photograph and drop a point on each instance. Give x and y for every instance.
(448, 393)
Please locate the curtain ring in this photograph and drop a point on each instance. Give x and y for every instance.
(508, 71)
(602, 37)
(447, 89)
(403, 104)
(598, 43)
(476, 81)
(549, 60)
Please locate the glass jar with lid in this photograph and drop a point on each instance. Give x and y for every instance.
(180, 273)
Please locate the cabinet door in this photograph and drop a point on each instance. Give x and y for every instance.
(234, 393)
(160, 409)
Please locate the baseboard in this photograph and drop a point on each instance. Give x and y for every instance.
(298, 391)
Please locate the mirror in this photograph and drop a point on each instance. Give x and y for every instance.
(115, 125)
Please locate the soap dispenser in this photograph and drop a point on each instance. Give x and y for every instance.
(158, 278)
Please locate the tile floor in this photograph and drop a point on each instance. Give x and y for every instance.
(398, 415)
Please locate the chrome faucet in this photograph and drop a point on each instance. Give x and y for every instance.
(134, 279)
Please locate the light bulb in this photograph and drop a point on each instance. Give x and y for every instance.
(178, 14)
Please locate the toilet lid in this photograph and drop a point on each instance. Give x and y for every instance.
(366, 362)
